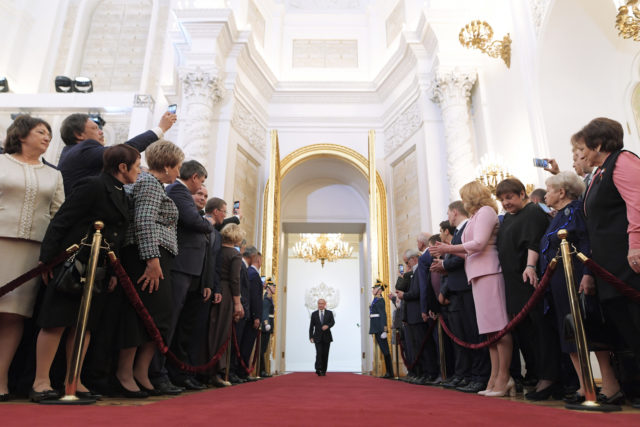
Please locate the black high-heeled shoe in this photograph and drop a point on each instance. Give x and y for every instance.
(615, 399)
(129, 394)
(88, 395)
(554, 390)
(575, 398)
(149, 391)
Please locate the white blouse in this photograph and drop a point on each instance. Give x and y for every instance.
(30, 195)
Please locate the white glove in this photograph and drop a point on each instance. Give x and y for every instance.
(267, 327)
(383, 335)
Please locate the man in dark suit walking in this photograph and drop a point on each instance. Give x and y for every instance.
(320, 335)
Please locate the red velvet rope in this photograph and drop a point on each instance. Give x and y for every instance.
(620, 286)
(239, 356)
(495, 337)
(151, 327)
(35, 272)
(422, 346)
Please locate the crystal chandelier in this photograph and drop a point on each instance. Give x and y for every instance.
(490, 171)
(628, 20)
(323, 247)
(479, 35)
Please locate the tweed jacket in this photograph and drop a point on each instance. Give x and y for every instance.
(155, 218)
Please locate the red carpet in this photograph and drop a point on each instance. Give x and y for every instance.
(304, 399)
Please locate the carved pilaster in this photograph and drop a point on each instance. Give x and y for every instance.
(201, 91)
(402, 128)
(538, 11)
(452, 91)
(248, 126)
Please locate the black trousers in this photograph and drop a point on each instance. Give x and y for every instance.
(623, 316)
(264, 343)
(322, 355)
(180, 285)
(246, 344)
(539, 344)
(427, 364)
(473, 365)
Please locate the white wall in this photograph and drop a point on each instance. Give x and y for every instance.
(345, 353)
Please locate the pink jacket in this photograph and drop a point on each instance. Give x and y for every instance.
(479, 241)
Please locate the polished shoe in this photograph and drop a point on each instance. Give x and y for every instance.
(452, 382)
(130, 394)
(485, 392)
(167, 387)
(510, 390)
(323, 373)
(234, 379)
(636, 403)
(150, 391)
(38, 396)
(574, 398)
(88, 395)
(433, 380)
(472, 387)
(191, 383)
(615, 399)
(318, 372)
(216, 381)
(5, 397)
(263, 374)
(554, 390)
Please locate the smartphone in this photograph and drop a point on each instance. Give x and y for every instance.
(264, 279)
(544, 207)
(172, 108)
(401, 268)
(236, 206)
(540, 163)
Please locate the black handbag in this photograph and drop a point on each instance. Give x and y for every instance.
(72, 276)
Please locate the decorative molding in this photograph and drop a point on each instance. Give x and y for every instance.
(249, 128)
(394, 22)
(143, 100)
(538, 11)
(322, 291)
(325, 4)
(403, 127)
(257, 22)
(202, 86)
(452, 91)
(116, 132)
(320, 53)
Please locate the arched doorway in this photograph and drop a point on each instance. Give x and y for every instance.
(275, 236)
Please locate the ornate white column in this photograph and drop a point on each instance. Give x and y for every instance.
(201, 90)
(452, 91)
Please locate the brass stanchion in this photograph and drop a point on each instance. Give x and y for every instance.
(73, 374)
(397, 354)
(443, 360)
(590, 403)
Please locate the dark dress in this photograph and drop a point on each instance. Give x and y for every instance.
(571, 218)
(99, 198)
(152, 235)
(228, 266)
(535, 334)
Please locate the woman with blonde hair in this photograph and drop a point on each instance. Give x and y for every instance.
(487, 284)
(230, 308)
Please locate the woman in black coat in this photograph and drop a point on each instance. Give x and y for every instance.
(99, 198)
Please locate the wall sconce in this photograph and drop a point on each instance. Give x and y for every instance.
(479, 35)
(4, 84)
(628, 25)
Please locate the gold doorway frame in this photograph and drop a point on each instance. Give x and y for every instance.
(271, 211)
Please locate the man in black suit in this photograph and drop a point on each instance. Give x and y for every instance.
(84, 146)
(320, 335)
(254, 313)
(472, 367)
(189, 292)
(426, 365)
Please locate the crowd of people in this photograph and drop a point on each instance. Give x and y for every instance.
(482, 268)
(187, 258)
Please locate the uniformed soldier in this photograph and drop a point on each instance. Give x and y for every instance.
(267, 323)
(378, 325)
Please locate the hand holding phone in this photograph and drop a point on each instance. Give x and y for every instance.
(236, 206)
(401, 268)
(172, 108)
(540, 163)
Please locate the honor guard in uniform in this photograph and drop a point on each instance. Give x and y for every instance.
(267, 323)
(378, 325)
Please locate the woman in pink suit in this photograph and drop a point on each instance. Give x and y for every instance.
(487, 284)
